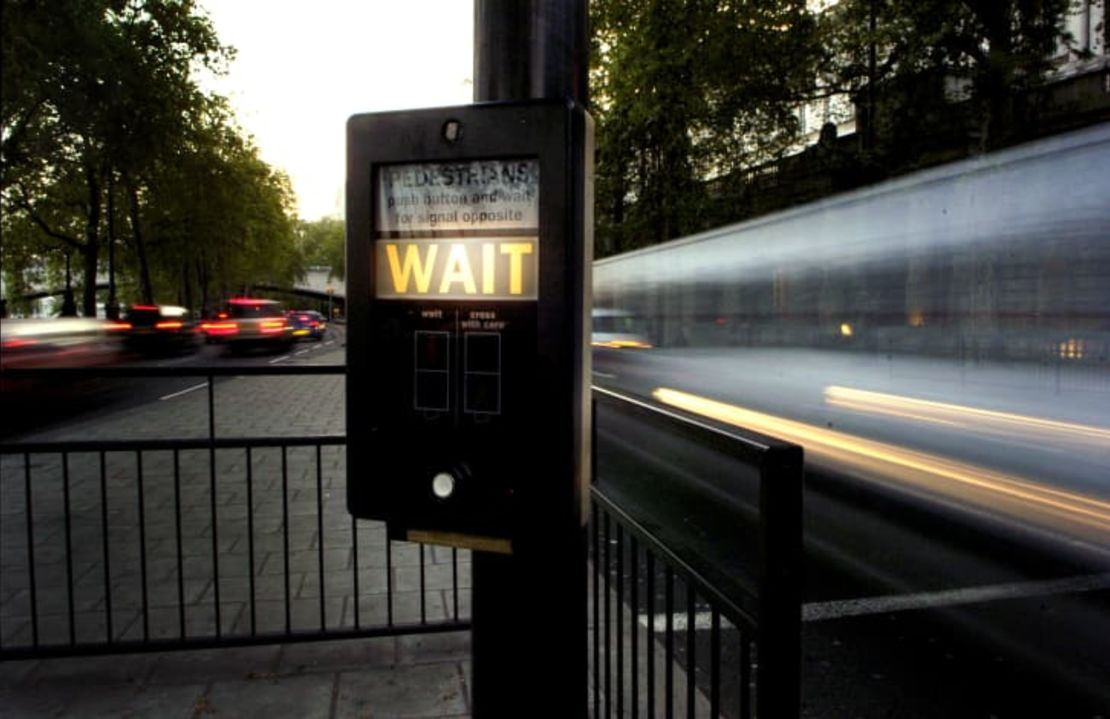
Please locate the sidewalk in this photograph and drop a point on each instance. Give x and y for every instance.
(422, 675)
(416, 675)
(409, 676)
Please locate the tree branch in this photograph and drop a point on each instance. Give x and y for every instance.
(25, 204)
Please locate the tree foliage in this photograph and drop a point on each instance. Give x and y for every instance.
(108, 143)
(323, 243)
(216, 217)
(686, 91)
(904, 61)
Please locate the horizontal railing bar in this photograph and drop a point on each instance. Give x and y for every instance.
(149, 445)
(730, 608)
(177, 371)
(744, 445)
(163, 645)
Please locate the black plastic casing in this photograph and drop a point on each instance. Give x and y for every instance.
(521, 471)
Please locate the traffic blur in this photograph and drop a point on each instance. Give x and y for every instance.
(60, 342)
(146, 335)
(157, 329)
(944, 338)
(154, 331)
(307, 324)
(63, 343)
(246, 323)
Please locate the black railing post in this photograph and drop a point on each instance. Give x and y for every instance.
(780, 615)
(529, 608)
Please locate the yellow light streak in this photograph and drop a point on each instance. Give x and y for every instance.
(953, 414)
(969, 484)
(621, 344)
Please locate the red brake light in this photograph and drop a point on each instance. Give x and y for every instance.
(19, 342)
(144, 307)
(220, 328)
(118, 326)
(169, 325)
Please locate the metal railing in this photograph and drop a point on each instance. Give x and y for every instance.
(653, 592)
(154, 544)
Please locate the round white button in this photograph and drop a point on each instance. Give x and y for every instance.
(443, 485)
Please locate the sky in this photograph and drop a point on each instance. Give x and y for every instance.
(302, 68)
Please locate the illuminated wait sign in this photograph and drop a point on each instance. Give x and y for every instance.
(491, 268)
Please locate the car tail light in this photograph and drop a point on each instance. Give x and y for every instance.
(220, 328)
(169, 325)
(16, 343)
(270, 327)
(117, 326)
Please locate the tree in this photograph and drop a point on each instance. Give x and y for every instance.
(46, 235)
(93, 90)
(690, 95)
(217, 218)
(108, 141)
(686, 90)
(323, 242)
(910, 61)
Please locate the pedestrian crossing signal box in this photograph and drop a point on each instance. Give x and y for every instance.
(468, 257)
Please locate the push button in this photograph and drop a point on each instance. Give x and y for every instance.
(443, 485)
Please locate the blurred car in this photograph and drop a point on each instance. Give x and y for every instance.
(618, 329)
(154, 329)
(64, 342)
(248, 322)
(307, 324)
(57, 342)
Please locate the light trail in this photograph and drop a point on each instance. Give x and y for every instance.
(985, 488)
(970, 418)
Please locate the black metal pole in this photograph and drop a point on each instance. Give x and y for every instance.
(528, 49)
(529, 641)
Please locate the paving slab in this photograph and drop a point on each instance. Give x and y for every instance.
(411, 676)
(168, 702)
(426, 690)
(297, 696)
(203, 666)
(343, 654)
(437, 647)
(53, 674)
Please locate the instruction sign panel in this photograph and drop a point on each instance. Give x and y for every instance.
(448, 197)
(458, 231)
